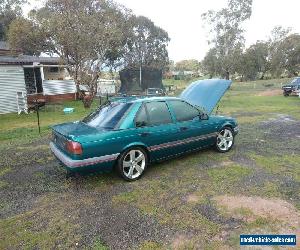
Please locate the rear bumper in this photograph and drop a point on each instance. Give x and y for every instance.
(70, 163)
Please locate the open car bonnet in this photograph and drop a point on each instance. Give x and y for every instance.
(205, 93)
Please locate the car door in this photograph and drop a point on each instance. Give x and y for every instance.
(193, 132)
(156, 128)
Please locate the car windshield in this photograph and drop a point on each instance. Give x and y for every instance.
(107, 116)
(296, 81)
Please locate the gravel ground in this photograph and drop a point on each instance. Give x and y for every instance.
(32, 174)
(30, 179)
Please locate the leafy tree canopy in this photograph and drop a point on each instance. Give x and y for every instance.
(9, 10)
(147, 44)
(188, 65)
(227, 33)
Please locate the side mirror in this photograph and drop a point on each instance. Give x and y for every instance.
(203, 116)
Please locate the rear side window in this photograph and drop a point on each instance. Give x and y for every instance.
(153, 113)
(184, 111)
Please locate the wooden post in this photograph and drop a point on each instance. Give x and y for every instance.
(38, 116)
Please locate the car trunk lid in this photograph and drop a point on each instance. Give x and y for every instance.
(62, 133)
(74, 129)
(206, 93)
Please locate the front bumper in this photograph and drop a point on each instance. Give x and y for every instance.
(70, 163)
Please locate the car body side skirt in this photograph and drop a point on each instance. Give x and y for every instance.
(181, 142)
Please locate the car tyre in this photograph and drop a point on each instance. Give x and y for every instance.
(132, 163)
(225, 140)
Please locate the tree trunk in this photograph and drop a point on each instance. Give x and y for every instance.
(227, 75)
(78, 92)
(88, 99)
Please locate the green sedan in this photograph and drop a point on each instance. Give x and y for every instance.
(130, 133)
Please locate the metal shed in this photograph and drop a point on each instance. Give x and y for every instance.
(26, 78)
(11, 82)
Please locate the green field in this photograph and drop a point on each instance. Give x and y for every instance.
(204, 200)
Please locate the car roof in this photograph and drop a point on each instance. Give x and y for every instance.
(158, 98)
(136, 99)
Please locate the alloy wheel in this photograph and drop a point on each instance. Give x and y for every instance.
(134, 164)
(225, 140)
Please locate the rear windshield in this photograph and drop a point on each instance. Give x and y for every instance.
(108, 116)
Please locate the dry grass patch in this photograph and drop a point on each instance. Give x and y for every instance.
(275, 208)
(272, 92)
(284, 216)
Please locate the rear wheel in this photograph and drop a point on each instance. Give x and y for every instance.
(225, 140)
(132, 163)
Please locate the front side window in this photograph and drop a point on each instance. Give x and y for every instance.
(184, 111)
(108, 116)
(158, 113)
(153, 113)
(142, 118)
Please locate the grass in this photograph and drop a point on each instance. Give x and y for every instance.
(285, 165)
(43, 227)
(150, 245)
(14, 126)
(241, 98)
(177, 194)
(5, 170)
(226, 177)
(99, 245)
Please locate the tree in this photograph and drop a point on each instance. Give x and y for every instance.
(211, 64)
(86, 34)
(147, 45)
(9, 10)
(188, 65)
(254, 61)
(286, 57)
(27, 36)
(284, 51)
(227, 32)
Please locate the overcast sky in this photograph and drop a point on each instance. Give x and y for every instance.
(182, 21)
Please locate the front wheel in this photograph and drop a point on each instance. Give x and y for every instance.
(225, 140)
(132, 163)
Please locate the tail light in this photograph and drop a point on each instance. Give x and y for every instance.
(74, 147)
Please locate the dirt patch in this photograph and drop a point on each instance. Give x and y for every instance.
(274, 208)
(281, 127)
(192, 198)
(272, 92)
(179, 241)
(284, 216)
